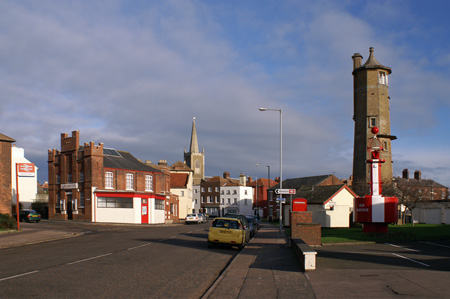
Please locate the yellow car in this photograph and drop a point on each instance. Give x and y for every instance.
(227, 231)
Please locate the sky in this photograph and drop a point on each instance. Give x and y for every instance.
(134, 74)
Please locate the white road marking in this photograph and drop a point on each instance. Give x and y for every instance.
(139, 246)
(88, 259)
(18, 275)
(403, 257)
(402, 247)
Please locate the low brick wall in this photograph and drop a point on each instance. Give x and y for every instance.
(303, 228)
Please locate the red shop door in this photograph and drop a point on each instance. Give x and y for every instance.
(144, 211)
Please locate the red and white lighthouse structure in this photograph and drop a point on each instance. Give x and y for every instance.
(375, 211)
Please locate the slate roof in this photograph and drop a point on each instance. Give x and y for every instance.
(126, 161)
(179, 180)
(3, 137)
(319, 194)
(418, 183)
(297, 183)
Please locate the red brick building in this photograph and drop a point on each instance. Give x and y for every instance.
(97, 184)
(5, 174)
(261, 203)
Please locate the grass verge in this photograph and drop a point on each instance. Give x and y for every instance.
(397, 233)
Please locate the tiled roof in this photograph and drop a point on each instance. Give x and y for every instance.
(6, 138)
(126, 161)
(263, 182)
(223, 182)
(180, 166)
(179, 180)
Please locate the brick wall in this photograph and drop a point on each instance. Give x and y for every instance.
(5, 178)
(303, 228)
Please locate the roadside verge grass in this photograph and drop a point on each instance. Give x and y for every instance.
(397, 233)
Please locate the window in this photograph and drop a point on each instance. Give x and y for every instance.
(81, 200)
(115, 202)
(81, 176)
(58, 200)
(223, 201)
(235, 201)
(69, 177)
(203, 189)
(383, 78)
(385, 146)
(148, 183)
(229, 201)
(209, 189)
(245, 192)
(203, 199)
(217, 199)
(234, 192)
(217, 189)
(208, 198)
(58, 178)
(373, 122)
(109, 182)
(159, 204)
(182, 193)
(129, 179)
(228, 192)
(245, 202)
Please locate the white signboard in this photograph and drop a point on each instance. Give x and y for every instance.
(285, 191)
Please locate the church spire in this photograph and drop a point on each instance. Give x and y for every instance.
(194, 141)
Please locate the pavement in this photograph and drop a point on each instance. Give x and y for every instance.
(266, 268)
(29, 235)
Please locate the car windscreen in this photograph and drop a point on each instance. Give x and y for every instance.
(226, 223)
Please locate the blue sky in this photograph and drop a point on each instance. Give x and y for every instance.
(133, 74)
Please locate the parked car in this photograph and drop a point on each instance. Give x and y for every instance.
(29, 216)
(203, 217)
(193, 218)
(227, 231)
(244, 223)
(256, 220)
(253, 225)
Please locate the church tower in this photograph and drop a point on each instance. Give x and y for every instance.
(371, 109)
(195, 159)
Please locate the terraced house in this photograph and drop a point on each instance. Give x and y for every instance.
(97, 184)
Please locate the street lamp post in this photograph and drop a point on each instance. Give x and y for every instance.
(281, 157)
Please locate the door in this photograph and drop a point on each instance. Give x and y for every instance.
(144, 211)
(69, 207)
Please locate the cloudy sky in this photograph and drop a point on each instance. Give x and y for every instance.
(133, 74)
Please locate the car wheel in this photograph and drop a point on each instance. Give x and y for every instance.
(210, 245)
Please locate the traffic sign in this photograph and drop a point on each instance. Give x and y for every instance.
(285, 191)
(282, 200)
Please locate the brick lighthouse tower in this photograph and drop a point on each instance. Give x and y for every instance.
(371, 109)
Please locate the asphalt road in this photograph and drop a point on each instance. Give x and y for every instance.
(114, 261)
(405, 270)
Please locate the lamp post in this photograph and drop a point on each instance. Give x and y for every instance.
(281, 157)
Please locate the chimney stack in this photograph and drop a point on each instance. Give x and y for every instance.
(242, 180)
(357, 58)
(226, 175)
(405, 174)
(417, 175)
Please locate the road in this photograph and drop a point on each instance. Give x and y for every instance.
(407, 270)
(114, 261)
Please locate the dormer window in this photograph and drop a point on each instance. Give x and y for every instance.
(383, 78)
